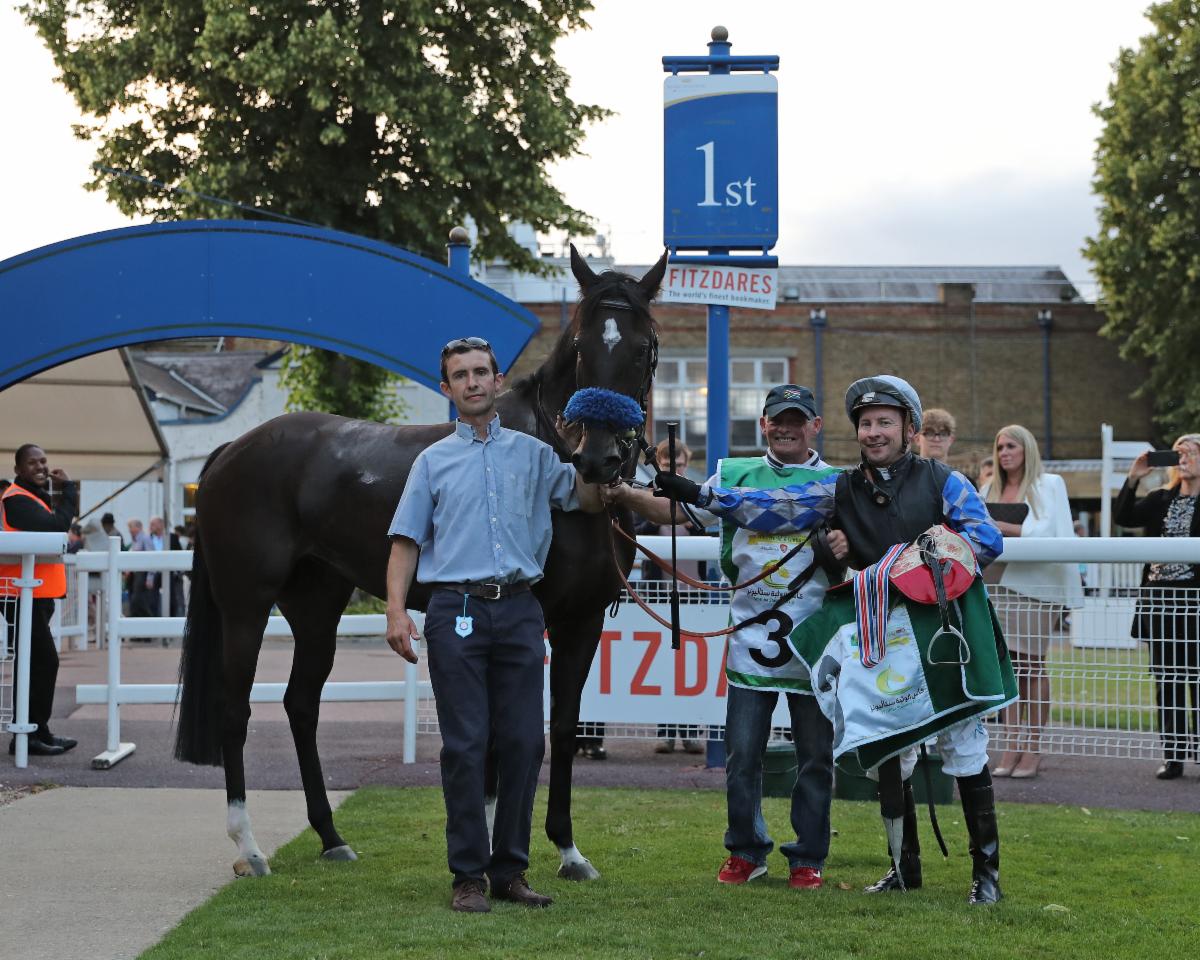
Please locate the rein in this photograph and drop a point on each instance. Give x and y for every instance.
(701, 585)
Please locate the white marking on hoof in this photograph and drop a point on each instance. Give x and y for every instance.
(611, 335)
(575, 866)
(341, 854)
(489, 811)
(252, 862)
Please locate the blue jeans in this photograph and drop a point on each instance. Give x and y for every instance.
(747, 729)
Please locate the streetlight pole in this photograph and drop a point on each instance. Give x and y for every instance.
(1045, 320)
(818, 321)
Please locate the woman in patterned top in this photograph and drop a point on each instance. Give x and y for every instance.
(1168, 611)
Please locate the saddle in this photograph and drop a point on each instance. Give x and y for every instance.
(936, 568)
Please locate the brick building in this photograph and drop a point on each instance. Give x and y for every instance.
(968, 338)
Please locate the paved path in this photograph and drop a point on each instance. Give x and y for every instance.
(97, 873)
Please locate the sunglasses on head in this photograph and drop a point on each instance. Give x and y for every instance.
(466, 343)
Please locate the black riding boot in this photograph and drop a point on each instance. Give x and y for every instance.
(910, 852)
(979, 812)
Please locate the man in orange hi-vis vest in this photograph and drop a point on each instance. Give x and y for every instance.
(29, 507)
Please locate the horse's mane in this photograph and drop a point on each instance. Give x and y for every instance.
(609, 285)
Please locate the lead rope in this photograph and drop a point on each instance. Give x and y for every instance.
(715, 587)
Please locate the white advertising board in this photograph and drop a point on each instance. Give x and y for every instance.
(637, 678)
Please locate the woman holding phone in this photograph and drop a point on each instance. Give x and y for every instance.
(1028, 596)
(1168, 607)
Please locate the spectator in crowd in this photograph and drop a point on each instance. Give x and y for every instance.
(937, 435)
(1168, 612)
(688, 736)
(75, 538)
(1029, 597)
(28, 506)
(758, 666)
(143, 600)
(987, 470)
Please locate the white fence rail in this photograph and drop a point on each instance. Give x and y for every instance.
(1089, 684)
(25, 549)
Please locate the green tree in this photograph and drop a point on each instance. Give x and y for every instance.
(1146, 253)
(394, 120)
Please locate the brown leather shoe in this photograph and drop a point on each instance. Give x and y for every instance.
(516, 889)
(469, 897)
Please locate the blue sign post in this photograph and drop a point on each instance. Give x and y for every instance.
(721, 194)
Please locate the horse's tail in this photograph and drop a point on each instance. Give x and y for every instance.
(201, 701)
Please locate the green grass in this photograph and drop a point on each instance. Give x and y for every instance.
(1101, 689)
(1122, 885)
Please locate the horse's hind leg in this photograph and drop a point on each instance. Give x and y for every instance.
(242, 639)
(573, 645)
(313, 600)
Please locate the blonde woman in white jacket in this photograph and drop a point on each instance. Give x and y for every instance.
(1029, 596)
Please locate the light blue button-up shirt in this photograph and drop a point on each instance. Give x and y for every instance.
(479, 507)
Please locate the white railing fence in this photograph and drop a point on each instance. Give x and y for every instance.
(25, 549)
(1090, 687)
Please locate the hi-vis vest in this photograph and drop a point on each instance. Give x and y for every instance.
(757, 656)
(52, 575)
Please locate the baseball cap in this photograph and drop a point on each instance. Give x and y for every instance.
(789, 396)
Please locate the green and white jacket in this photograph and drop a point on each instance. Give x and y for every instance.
(758, 656)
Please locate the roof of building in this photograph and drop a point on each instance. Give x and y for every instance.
(867, 284)
(206, 382)
(826, 284)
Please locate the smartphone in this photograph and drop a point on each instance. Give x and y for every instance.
(1162, 458)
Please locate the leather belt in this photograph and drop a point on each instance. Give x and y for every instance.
(484, 591)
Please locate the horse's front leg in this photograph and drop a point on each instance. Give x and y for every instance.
(573, 646)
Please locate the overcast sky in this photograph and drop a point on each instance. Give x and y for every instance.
(910, 133)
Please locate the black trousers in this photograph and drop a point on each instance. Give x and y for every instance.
(43, 662)
(1175, 665)
(489, 682)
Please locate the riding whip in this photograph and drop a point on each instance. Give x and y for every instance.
(672, 426)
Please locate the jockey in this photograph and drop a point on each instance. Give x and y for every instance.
(890, 499)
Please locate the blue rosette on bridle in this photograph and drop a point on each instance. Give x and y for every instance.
(606, 408)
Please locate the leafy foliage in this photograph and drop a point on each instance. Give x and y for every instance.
(318, 379)
(1147, 251)
(394, 120)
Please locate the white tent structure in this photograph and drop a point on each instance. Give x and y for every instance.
(91, 417)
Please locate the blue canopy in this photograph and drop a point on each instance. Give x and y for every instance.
(240, 278)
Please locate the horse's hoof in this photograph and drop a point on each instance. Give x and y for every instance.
(252, 867)
(580, 870)
(342, 853)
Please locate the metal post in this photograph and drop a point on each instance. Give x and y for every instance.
(116, 750)
(817, 320)
(458, 259)
(81, 608)
(1045, 319)
(411, 693)
(21, 727)
(718, 385)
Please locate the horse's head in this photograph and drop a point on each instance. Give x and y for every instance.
(616, 351)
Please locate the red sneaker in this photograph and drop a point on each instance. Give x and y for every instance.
(737, 870)
(805, 878)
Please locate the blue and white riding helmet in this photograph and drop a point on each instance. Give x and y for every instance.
(883, 390)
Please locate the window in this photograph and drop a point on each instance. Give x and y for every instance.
(681, 393)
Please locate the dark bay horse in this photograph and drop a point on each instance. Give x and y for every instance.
(296, 513)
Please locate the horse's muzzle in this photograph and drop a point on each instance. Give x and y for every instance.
(597, 469)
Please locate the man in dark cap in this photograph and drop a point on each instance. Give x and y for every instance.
(758, 664)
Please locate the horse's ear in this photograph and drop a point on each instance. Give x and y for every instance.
(583, 273)
(653, 278)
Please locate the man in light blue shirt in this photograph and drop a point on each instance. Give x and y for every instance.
(474, 524)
